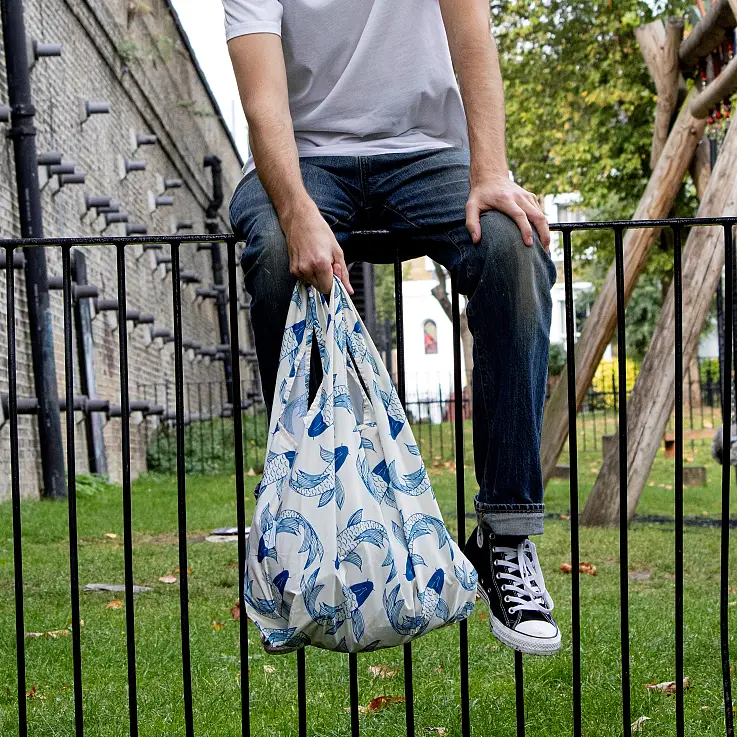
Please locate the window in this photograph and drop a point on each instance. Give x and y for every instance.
(431, 337)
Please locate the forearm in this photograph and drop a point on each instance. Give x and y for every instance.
(476, 62)
(258, 63)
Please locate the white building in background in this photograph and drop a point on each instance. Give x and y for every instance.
(428, 343)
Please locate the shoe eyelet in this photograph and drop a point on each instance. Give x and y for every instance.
(498, 576)
(506, 599)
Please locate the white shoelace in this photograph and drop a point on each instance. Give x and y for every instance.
(524, 583)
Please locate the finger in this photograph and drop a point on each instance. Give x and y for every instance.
(341, 271)
(473, 220)
(320, 275)
(533, 199)
(520, 217)
(541, 224)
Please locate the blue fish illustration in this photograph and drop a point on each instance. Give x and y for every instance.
(468, 579)
(413, 528)
(293, 337)
(358, 348)
(287, 638)
(412, 484)
(297, 296)
(324, 418)
(394, 409)
(360, 531)
(333, 617)
(376, 481)
(433, 605)
(314, 328)
(276, 608)
(342, 397)
(463, 612)
(326, 484)
(278, 467)
(292, 523)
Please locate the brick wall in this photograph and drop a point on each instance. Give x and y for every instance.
(133, 56)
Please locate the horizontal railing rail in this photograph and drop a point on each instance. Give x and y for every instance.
(464, 726)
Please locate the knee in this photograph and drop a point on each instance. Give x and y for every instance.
(525, 271)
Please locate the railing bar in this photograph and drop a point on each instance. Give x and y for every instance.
(302, 693)
(678, 293)
(239, 483)
(353, 685)
(573, 465)
(730, 285)
(409, 702)
(519, 688)
(460, 496)
(623, 516)
(130, 626)
(20, 627)
(181, 492)
(72, 488)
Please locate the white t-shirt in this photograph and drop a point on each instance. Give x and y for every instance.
(365, 76)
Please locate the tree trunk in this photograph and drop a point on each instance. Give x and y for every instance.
(652, 399)
(656, 202)
(440, 292)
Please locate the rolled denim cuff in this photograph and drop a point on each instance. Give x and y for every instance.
(511, 519)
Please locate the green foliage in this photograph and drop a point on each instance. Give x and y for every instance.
(580, 102)
(580, 109)
(557, 360)
(127, 50)
(208, 446)
(89, 485)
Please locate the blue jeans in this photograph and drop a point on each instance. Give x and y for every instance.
(421, 197)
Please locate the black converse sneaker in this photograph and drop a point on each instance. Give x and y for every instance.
(511, 583)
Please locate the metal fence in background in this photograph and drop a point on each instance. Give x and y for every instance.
(180, 425)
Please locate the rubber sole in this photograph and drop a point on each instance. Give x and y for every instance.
(517, 641)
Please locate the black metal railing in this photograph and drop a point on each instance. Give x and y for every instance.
(180, 422)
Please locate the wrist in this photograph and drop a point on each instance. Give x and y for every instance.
(485, 173)
(296, 209)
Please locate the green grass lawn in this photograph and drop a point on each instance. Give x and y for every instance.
(214, 590)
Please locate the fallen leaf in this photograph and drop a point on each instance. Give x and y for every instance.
(639, 723)
(438, 669)
(35, 694)
(483, 617)
(565, 516)
(583, 567)
(114, 604)
(668, 687)
(641, 574)
(168, 579)
(437, 730)
(689, 460)
(217, 626)
(177, 571)
(382, 671)
(379, 703)
(652, 483)
(111, 535)
(269, 669)
(235, 611)
(49, 635)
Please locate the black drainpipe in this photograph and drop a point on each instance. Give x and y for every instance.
(23, 134)
(212, 224)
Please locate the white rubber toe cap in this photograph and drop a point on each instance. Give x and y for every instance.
(537, 628)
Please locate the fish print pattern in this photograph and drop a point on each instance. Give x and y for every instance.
(347, 548)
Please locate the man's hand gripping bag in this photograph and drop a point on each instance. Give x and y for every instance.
(347, 549)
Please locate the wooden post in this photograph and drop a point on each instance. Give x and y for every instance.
(708, 33)
(656, 202)
(652, 398)
(660, 47)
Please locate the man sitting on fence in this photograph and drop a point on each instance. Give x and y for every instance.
(356, 122)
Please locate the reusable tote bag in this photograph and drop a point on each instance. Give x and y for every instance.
(347, 549)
